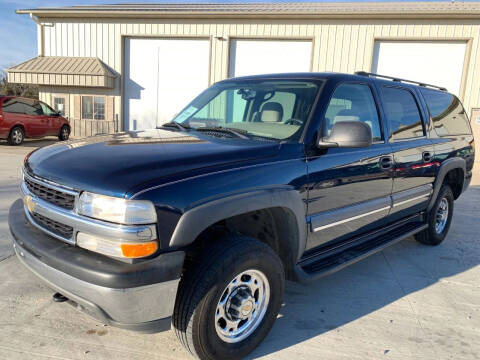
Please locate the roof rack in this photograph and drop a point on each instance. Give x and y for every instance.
(364, 73)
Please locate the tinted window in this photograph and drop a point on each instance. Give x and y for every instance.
(353, 102)
(13, 106)
(402, 113)
(33, 108)
(448, 115)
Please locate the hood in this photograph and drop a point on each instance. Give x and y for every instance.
(116, 164)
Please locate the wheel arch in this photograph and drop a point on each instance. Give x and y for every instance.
(20, 125)
(452, 171)
(276, 217)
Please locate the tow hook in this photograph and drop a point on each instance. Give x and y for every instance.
(57, 297)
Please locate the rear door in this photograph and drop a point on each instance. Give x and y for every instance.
(349, 189)
(413, 152)
(35, 120)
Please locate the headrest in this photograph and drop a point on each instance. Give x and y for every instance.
(271, 112)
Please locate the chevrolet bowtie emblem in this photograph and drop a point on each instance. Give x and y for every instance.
(29, 203)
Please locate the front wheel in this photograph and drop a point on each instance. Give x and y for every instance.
(64, 133)
(228, 302)
(439, 218)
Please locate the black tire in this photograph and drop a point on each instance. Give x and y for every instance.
(204, 284)
(432, 235)
(16, 136)
(64, 133)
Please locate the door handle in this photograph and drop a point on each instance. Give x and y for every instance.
(427, 156)
(386, 162)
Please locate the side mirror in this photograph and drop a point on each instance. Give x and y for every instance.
(347, 134)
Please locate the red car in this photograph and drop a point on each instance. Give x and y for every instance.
(22, 117)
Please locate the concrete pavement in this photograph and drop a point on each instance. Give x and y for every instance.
(407, 302)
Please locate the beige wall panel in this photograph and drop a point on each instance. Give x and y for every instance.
(339, 45)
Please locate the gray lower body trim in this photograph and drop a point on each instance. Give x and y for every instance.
(372, 209)
(377, 207)
(412, 197)
(120, 307)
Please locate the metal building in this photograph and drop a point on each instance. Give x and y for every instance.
(121, 67)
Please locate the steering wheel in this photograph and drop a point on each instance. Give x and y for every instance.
(293, 121)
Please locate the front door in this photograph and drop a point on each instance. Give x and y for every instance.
(54, 121)
(349, 189)
(413, 152)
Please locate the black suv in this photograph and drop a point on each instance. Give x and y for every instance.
(259, 179)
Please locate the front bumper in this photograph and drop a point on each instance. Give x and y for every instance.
(135, 296)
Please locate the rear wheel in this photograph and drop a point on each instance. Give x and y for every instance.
(439, 218)
(64, 133)
(228, 302)
(16, 136)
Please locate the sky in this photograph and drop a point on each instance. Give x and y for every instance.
(18, 33)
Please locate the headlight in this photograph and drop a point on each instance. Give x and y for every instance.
(117, 247)
(117, 210)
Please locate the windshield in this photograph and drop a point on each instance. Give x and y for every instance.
(274, 109)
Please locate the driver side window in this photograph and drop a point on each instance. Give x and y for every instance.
(47, 110)
(353, 102)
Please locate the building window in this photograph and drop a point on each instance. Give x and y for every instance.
(59, 105)
(93, 107)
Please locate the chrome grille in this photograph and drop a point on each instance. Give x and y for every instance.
(53, 226)
(51, 195)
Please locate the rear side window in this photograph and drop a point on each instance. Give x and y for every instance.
(402, 113)
(13, 106)
(448, 115)
(34, 109)
(353, 102)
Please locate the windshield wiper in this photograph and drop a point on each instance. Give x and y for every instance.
(242, 134)
(175, 125)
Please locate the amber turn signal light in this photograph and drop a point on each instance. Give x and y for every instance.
(139, 250)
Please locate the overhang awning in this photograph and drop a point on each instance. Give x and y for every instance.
(63, 71)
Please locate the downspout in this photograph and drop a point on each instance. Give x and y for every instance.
(40, 35)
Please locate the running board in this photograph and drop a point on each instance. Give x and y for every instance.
(318, 266)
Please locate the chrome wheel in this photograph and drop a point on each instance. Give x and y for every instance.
(441, 216)
(17, 136)
(242, 306)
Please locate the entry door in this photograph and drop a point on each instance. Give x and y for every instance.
(413, 152)
(349, 189)
(161, 77)
(253, 57)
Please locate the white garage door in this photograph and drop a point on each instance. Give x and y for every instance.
(253, 57)
(161, 77)
(434, 62)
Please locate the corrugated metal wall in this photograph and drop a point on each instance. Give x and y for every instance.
(338, 45)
